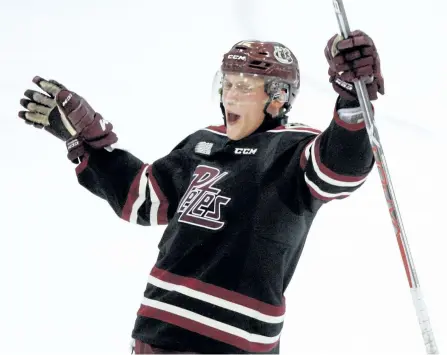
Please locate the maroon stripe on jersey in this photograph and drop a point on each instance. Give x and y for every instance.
(220, 292)
(328, 172)
(303, 159)
(205, 330)
(162, 213)
(324, 198)
(349, 126)
(132, 195)
(219, 129)
(80, 168)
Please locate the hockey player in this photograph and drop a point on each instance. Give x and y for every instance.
(238, 199)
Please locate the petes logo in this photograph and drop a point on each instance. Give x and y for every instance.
(202, 203)
(283, 55)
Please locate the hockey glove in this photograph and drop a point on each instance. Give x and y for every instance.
(67, 116)
(354, 58)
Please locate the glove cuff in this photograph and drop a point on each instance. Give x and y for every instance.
(77, 146)
(76, 149)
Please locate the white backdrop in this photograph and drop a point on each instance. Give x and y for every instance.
(73, 273)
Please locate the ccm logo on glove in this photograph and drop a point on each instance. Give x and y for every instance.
(65, 102)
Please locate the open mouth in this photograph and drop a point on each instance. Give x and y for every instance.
(232, 117)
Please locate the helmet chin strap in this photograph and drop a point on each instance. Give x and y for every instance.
(222, 108)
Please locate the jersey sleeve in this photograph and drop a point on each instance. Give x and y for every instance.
(138, 192)
(337, 161)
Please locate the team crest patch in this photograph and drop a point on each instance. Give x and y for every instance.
(283, 55)
(203, 148)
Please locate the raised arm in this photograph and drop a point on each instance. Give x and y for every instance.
(138, 192)
(338, 160)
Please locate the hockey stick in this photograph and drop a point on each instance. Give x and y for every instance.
(410, 270)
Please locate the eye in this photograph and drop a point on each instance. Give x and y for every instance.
(226, 85)
(240, 87)
(244, 88)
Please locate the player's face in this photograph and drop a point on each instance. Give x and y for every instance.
(244, 100)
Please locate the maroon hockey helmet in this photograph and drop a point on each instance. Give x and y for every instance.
(272, 60)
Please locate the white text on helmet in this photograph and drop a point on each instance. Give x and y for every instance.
(237, 57)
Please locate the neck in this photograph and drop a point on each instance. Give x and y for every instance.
(269, 123)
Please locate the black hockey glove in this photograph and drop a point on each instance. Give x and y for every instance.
(354, 58)
(67, 116)
(43, 111)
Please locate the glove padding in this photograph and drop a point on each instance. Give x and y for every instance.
(351, 59)
(66, 115)
(42, 109)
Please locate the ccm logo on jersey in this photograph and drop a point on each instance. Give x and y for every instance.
(237, 57)
(245, 151)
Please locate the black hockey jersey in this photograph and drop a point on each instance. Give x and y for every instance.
(237, 216)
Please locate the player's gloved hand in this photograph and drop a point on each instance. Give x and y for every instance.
(67, 116)
(354, 58)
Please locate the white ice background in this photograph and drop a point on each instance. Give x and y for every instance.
(73, 273)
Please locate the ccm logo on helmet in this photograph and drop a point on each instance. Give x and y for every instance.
(245, 151)
(237, 57)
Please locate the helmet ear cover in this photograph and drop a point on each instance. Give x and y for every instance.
(279, 94)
